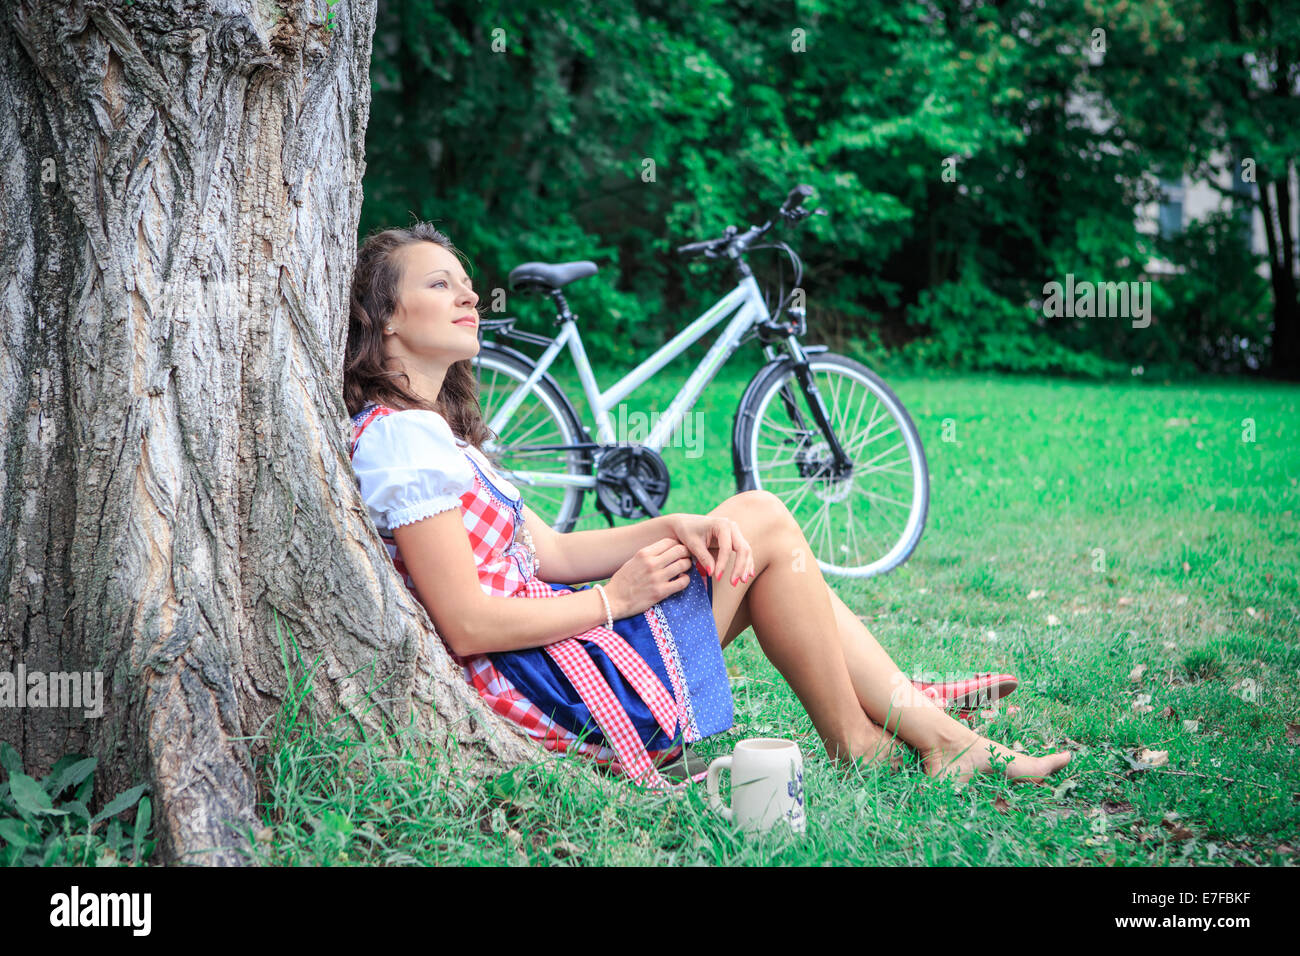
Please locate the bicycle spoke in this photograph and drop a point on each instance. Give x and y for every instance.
(777, 464)
(490, 392)
(893, 501)
(871, 422)
(854, 429)
(795, 436)
(825, 388)
(517, 423)
(858, 443)
(905, 472)
(521, 445)
(824, 541)
(815, 528)
(899, 444)
(881, 536)
(840, 422)
(516, 445)
(906, 505)
(817, 523)
(798, 498)
(785, 442)
(855, 551)
(853, 523)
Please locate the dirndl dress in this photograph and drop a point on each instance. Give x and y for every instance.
(629, 697)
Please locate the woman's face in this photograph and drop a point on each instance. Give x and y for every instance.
(435, 315)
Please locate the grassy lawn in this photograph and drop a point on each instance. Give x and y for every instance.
(1121, 549)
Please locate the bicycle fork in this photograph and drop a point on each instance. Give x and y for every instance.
(840, 463)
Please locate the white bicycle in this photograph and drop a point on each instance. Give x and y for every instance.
(819, 430)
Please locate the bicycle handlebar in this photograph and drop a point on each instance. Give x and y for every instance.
(734, 244)
(695, 248)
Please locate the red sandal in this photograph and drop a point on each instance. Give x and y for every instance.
(982, 690)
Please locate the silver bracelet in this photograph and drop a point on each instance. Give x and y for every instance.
(609, 618)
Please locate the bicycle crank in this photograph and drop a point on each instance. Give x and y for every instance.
(631, 482)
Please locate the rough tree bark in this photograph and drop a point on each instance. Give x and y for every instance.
(180, 185)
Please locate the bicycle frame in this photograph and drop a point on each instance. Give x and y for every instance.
(746, 301)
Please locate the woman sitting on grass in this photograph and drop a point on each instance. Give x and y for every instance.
(630, 672)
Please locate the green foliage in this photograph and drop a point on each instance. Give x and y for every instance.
(615, 130)
(1219, 310)
(47, 822)
(970, 326)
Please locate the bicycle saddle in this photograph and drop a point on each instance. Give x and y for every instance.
(543, 276)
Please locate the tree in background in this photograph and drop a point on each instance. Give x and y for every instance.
(1213, 87)
(951, 141)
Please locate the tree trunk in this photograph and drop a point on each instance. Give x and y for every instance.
(1285, 360)
(180, 186)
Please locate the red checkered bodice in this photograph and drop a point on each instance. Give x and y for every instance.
(502, 545)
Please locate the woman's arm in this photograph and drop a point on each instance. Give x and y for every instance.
(439, 559)
(594, 555)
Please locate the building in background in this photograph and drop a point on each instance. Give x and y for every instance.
(1186, 200)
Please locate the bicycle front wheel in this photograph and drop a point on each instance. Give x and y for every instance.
(524, 448)
(867, 522)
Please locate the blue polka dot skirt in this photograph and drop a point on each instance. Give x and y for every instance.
(677, 637)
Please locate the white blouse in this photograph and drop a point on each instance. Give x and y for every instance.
(411, 466)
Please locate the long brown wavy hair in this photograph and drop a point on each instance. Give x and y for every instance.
(367, 372)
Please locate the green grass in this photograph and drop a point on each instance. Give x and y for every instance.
(1159, 538)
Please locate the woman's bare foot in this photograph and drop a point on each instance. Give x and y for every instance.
(885, 748)
(963, 756)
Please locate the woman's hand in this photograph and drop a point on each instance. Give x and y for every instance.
(698, 532)
(655, 572)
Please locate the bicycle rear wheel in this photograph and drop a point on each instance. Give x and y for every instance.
(867, 522)
(544, 418)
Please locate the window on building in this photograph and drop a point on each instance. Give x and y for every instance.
(1171, 206)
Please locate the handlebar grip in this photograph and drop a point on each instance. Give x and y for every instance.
(691, 248)
(796, 197)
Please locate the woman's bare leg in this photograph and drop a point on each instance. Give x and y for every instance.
(796, 629)
(889, 746)
(786, 603)
(959, 749)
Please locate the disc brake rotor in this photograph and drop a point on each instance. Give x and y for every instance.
(815, 460)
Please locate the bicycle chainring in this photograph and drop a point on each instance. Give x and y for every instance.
(613, 469)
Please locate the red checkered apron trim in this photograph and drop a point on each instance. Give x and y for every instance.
(491, 520)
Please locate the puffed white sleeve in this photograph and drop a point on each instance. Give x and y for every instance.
(409, 467)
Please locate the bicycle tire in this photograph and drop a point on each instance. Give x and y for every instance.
(545, 417)
(830, 372)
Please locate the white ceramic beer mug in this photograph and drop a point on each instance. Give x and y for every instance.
(766, 784)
